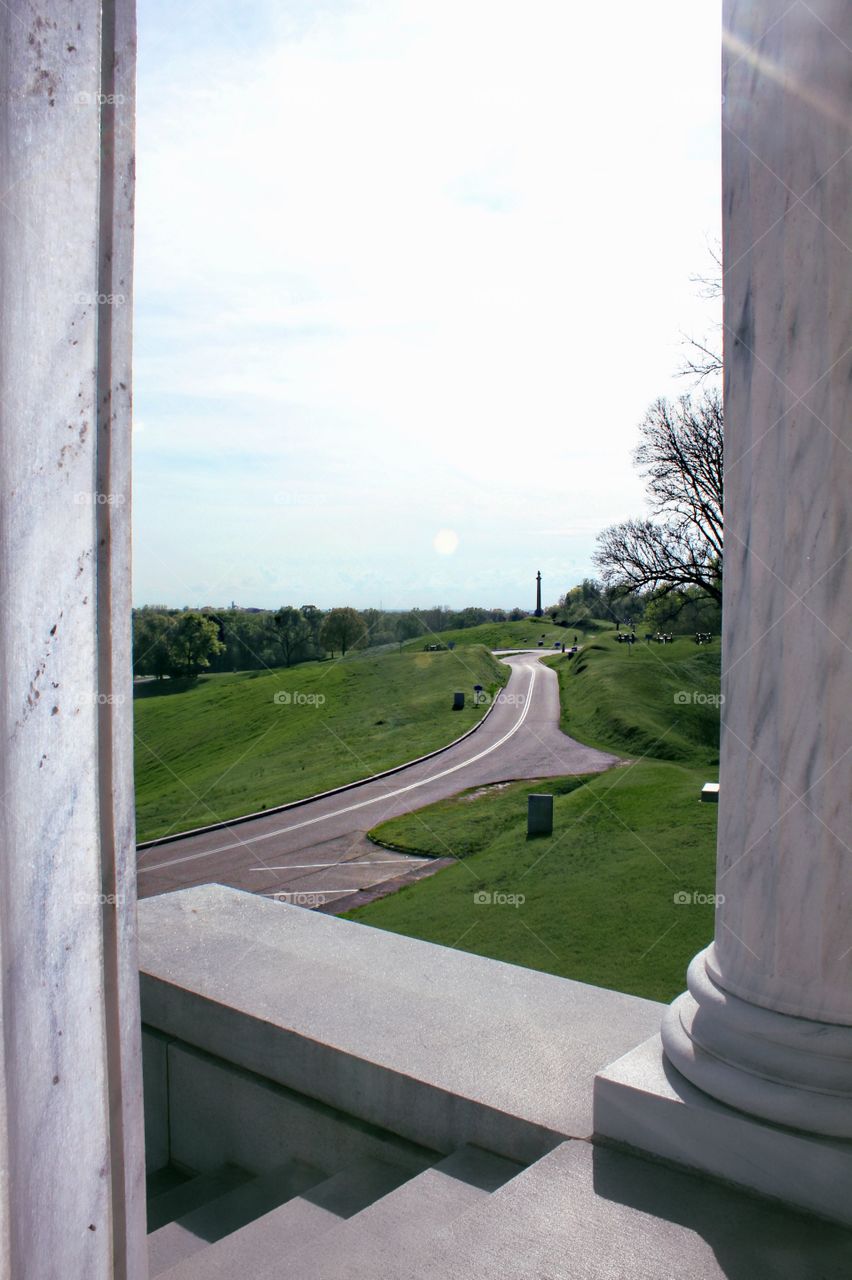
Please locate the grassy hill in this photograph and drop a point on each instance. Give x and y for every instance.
(659, 700)
(599, 897)
(224, 745)
(504, 635)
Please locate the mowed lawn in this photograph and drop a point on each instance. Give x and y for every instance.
(643, 699)
(499, 635)
(233, 744)
(600, 901)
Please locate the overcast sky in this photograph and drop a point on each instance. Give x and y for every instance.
(408, 274)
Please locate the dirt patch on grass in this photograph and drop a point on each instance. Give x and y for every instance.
(484, 791)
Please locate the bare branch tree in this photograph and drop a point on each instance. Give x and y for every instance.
(703, 357)
(639, 554)
(681, 458)
(700, 361)
(710, 286)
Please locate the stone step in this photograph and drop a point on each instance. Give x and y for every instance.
(400, 1227)
(227, 1213)
(598, 1213)
(189, 1195)
(163, 1180)
(396, 1229)
(302, 1221)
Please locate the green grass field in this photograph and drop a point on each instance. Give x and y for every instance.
(503, 635)
(659, 700)
(599, 896)
(224, 746)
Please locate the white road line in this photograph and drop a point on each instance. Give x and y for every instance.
(376, 862)
(363, 804)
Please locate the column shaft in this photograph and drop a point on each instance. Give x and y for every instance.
(71, 1145)
(783, 944)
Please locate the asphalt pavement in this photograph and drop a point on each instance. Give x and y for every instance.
(318, 855)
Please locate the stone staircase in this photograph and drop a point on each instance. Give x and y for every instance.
(298, 1222)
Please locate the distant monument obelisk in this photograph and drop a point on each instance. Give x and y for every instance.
(538, 609)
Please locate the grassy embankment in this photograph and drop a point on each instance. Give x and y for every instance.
(507, 635)
(599, 896)
(224, 746)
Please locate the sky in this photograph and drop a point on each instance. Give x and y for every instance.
(408, 275)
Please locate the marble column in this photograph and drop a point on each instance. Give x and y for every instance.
(71, 1146)
(766, 1025)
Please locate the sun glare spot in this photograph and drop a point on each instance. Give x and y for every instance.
(446, 542)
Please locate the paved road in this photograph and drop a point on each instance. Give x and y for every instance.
(318, 854)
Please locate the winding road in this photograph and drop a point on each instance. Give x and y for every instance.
(318, 854)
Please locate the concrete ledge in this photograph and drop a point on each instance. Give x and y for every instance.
(643, 1103)
(438, 1046)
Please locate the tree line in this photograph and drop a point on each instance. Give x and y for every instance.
(183, 642)
(593, 601)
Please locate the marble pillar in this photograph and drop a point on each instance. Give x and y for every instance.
(71, 1145)
(766, 1024)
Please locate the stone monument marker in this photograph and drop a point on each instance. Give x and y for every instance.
(540, 815)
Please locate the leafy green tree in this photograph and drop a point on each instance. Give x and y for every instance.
(380, 626)
(152, 630)
(590, 600)
(438, 618)
(472, 616)
(292, 632)
(342, 629)
(407, 626)
(683, 612)
(194, 640)
(313, 617)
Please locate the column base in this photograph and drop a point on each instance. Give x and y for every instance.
(642, 1102)
(790, 1071)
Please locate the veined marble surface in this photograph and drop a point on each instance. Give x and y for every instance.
(784, 932)
(71, 1184)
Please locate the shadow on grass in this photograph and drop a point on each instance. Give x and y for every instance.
(162, 688)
